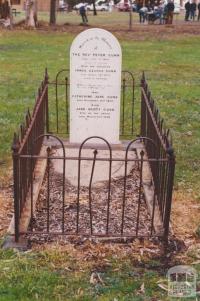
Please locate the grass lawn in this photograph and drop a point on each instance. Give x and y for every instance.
(173, 69)
(70, 273)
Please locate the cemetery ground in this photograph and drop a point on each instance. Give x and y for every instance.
(133, 271)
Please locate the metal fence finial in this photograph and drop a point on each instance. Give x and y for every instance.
(29, 114)
(46, 76)
(27, 118)
(170, 151)
(143, 80)
(16, 143)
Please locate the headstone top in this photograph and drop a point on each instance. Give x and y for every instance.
(90, 37)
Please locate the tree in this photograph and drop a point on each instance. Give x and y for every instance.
(52, 20)
(130, 15)
(6, 13)
(31, 13)
(94, 8)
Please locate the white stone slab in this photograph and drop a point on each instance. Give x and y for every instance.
(95, 82)
(101, 171)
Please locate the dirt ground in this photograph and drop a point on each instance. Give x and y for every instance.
(6, 205)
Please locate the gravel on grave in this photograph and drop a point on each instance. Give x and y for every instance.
(99, 208)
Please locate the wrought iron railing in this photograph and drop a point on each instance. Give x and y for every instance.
(153, 127)
(105, 212)
(24, 144)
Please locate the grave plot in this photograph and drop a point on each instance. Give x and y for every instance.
(78, 167)
(94, 206)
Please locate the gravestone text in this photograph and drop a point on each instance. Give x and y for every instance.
(95, 81)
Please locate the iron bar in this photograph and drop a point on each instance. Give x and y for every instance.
(15, 155)
(140, 192)
(78, 193)
(90, 189)
(133, 107)
(66, 96)
(63, 191)
(124, 195)
(100, 235)
(47, 105)
(169, 192)
(123, 104)
(31, 222)
(48, 186)
(97, 159)
(57, 99)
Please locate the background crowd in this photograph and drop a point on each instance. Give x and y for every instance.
(164, 12)
(191, 9)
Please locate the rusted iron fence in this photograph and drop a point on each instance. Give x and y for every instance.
(115, 210)
(25, 144)
(127, 217)
(153, 127)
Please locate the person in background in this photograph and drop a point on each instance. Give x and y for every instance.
(198, 18)
(139, 6)
(82, 11)
(143, 14)
(165, 14)
(193, 8)
(160, 11)
(170, 12)
(111, 5)
(187, 10)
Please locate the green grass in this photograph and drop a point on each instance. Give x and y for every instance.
(172, 68)
(50, 275)
(60, 275)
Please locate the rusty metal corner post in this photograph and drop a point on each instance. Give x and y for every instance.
(171, 158)
(46, 81)
(143, 108)
(15, 156)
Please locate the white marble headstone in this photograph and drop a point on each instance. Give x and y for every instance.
(95, 86)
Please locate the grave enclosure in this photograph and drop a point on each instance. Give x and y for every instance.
(91, 161)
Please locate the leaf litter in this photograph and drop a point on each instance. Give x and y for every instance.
(99, 208)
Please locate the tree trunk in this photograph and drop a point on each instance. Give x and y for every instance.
(94, 8)
(130, 15)
(31, 13)
(6, 13)
(52, 20)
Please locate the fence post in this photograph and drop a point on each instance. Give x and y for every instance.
(46, 80)
(142, 109)
(15, 156)
(171, 159)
